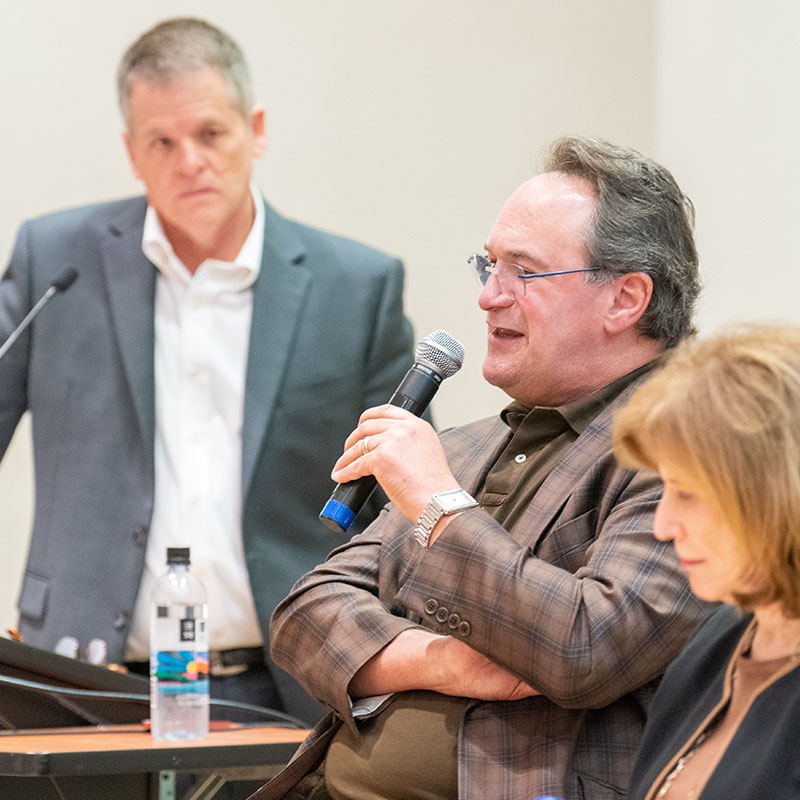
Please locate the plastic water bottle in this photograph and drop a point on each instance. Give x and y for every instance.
(178, 652)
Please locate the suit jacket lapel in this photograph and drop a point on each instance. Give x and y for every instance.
(473, 449)
(479, 446)
(584, 454)
(130, 283)
(277, 300)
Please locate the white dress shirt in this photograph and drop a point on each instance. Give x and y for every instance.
(202, 334)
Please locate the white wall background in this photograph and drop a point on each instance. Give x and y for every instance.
(407, 124)
(727, 120)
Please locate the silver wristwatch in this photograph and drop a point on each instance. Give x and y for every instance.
(441, 505)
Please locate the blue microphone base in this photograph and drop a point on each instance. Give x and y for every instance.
(336, 516)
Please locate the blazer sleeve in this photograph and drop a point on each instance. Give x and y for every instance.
(14, 305)
(333, 621)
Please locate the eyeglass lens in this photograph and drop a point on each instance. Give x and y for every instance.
(507, 274)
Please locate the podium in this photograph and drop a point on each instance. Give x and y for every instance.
(92, 743)
(24, 707)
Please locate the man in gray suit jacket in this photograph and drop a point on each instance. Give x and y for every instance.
(197, 382)
(507, 646)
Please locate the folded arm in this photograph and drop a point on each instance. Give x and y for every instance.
(419, 659)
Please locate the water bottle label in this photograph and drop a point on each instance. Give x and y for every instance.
(182, 671)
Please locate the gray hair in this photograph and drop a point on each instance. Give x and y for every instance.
(643, 222)
(183, 46)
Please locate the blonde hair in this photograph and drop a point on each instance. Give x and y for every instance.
(727, 411)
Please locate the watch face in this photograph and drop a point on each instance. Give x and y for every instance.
(458, 498)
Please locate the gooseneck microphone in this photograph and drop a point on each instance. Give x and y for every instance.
(60, 284)
(438, 356)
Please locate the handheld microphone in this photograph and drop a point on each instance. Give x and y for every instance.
(438, 356)
(60, 284)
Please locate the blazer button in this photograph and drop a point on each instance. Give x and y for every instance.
(121, 619)
(431, 606)
(139, 536)
(442, 614)
(464, 628)
(453, 621)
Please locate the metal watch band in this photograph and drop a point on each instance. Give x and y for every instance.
(459, 499)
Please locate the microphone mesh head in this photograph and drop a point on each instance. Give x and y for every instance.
(442, 352)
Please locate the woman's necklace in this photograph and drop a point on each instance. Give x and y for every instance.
(682, 762)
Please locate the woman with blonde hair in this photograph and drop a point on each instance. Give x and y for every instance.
(721, 424)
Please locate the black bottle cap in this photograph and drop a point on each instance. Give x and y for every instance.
(178, 555)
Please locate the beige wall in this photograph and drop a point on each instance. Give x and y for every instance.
(728, 122)
(407, 124)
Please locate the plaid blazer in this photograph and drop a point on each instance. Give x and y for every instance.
(586, 606)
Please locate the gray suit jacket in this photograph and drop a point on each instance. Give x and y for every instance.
(328, 339)
(579, 600)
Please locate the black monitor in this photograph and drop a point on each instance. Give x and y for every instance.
(24, 707)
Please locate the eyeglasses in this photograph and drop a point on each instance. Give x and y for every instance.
(485, 267)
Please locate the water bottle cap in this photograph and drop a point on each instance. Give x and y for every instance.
(178, 555)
